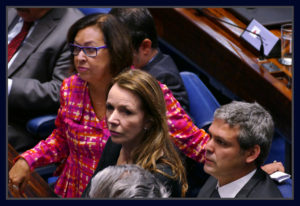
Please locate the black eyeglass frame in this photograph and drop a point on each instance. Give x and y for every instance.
(85, 47)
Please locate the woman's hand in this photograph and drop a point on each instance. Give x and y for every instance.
(273, 167)
(19, 175)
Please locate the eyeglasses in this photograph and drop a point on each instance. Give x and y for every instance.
(88, 50)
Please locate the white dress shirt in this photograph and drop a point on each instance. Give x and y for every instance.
(230, 190)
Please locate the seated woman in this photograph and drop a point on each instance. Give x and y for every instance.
(101, 48)
(136, 118)
(126, 181)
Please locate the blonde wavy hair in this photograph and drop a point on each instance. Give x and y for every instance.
(156, 146)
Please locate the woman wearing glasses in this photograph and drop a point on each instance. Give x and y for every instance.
(101, 48)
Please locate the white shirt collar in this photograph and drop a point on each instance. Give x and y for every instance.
(230, 190)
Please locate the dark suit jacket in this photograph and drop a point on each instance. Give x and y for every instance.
(163, 68)
(41, 65)
(259, 186)
(110, 157)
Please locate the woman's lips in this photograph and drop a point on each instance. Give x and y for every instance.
(209, 161)
(113, 133)
(82, 69)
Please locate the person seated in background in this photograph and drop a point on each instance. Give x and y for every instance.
(241, 136)
(126, 181)
(147, 55)
(136, 118)
(38, 61)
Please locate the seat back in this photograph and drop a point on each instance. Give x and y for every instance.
(87, 11)
(41, 126)
(202, 102)
(286, 188)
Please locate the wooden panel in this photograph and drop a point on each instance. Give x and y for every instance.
(218, 49)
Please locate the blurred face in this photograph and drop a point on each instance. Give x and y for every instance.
(125, 117)
(224, 158)
(138, 59)
(32, 14)
(92, 69)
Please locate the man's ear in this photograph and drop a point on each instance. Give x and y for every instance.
(146, 46)
(252, 153)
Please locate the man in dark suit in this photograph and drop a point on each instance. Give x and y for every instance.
(241, 136)
(147, 55)
(37, 68)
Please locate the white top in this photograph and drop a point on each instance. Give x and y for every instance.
(230, 190)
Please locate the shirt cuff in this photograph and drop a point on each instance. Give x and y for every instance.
(29, 159)
(9, 84)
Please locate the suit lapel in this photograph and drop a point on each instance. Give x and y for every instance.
(11, 17)
(208, 188)
(248, 188)
(41, 31)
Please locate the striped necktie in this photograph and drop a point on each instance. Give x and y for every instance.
(15, 43)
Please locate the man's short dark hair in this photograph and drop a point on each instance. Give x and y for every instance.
(140, 24)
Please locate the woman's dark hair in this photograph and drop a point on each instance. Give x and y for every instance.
(116, 38)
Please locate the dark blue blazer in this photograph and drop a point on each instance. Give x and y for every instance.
(163, 68)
